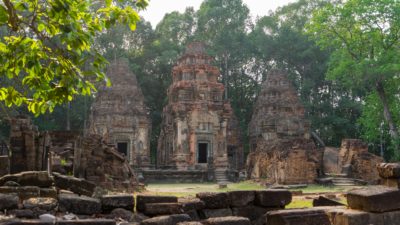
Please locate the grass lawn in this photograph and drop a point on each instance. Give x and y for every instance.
(190, 189)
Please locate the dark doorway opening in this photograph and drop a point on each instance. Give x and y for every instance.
(202, 153)
(123, 148)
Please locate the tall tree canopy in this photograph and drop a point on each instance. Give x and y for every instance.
(364, 35)
(46, 53)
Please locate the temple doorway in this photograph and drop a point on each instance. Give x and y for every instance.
(202, 152)
(123, 148)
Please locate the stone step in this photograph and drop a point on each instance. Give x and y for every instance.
(344, 184)
(336, 175)
(343, 180)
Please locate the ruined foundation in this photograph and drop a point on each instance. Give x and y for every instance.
(119, 115)
(281, 150)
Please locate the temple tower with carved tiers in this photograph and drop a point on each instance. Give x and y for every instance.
(281, 150)
(119, 114)
(196, 120)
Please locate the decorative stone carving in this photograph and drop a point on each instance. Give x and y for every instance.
(196, 121)
(120, 116)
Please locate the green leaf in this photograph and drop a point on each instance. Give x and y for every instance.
(41, 27)
(3, 15)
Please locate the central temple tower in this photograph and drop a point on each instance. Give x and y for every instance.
(196, 119)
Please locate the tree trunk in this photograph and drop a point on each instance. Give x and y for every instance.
(388, 117)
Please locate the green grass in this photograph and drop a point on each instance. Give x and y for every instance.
(190, 189)
(300, 203)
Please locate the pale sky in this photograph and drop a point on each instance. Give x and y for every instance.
(158, 8)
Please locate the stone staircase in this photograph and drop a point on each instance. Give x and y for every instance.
(343, 180)
(220, 176)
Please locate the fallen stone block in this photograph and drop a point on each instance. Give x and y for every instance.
(390, 182)
(230, 220)
(251, 212)
(121, 213)
(8, 201)
(141, 200)
(190, 223)
(87, 222)
(241, 198)
(23, 213)
(79, 204)
(48, 192)
(153, 209)
(374, 199)
(389, 170)
(110, 202)
(41, 203)
(29, 178)
(214, 200)
(193, 204)
(212, 213)
(76, 185)
(357, 217)
(166, 220)
(194, 215)
(23, 193)
(354, 217)
(27, 222)
(273, 198)
(309, 216)
(323, 201)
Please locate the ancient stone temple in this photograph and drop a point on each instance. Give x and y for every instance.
(281, 150)
(119, 115)
(196, 120)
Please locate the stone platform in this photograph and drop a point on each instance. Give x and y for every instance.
(174, 176)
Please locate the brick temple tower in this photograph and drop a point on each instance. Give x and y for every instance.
(281, 150)
(119, 115)
(196, 119)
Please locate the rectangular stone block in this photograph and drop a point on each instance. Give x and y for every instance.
(241, 198)
(166, 220)
(141, 200)
(214, 200)
(26, 222)
(273, 198)
(230, 220)
(390, 182)
(374, 199)
(357, 217)
(87, 222)
(389, 170)
(195, 204)
(212, 213)
(110, 202)
(23, 192)
(298, 217)
(76, 185)
(80, 205)
(251, 212)
(48, 192)
(156, 209)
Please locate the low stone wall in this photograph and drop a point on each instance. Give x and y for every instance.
(174, 176)
(237, 207)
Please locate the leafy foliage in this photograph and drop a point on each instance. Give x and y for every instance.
(365, 38)
(47, 56)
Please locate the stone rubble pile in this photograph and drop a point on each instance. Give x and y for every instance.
(236, 207)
